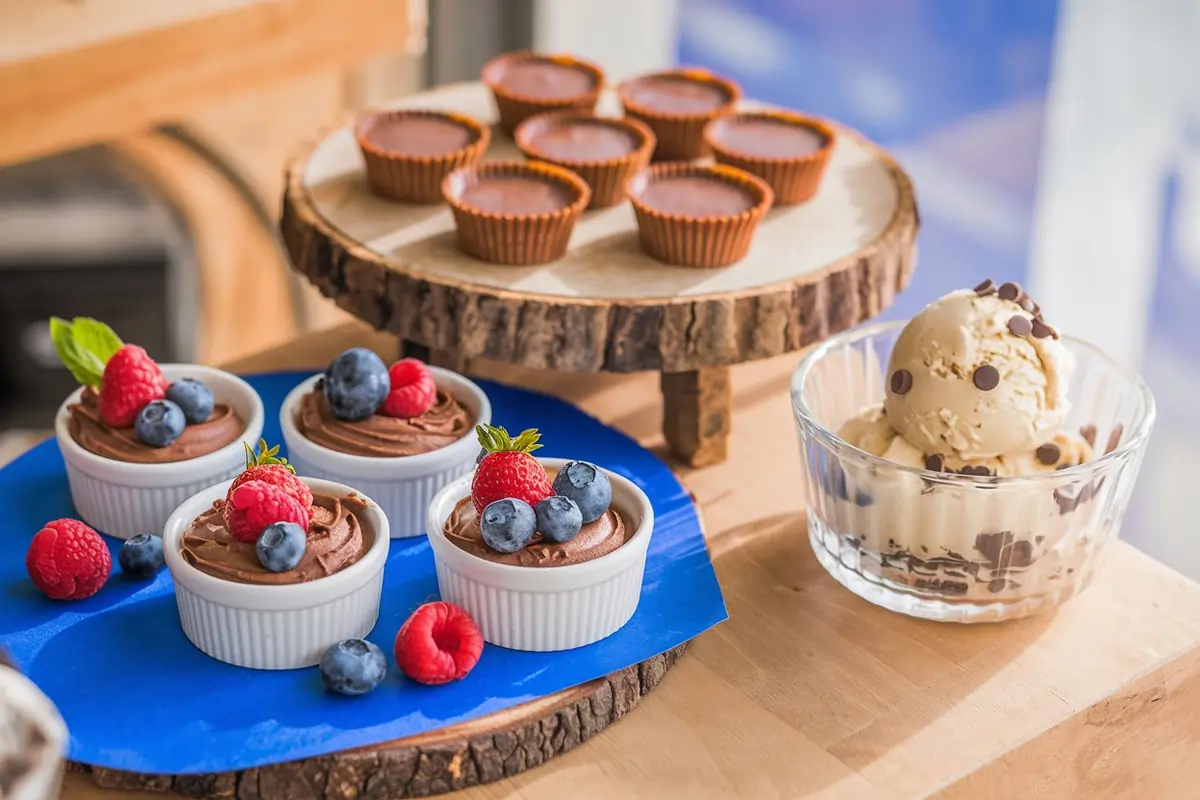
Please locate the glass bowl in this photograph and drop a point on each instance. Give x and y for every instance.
(961, 548)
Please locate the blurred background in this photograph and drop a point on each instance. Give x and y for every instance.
(142, 147)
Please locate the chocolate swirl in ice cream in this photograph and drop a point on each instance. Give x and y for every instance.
(380, 436)
(224, 426)
(336, 540)
(595, 539)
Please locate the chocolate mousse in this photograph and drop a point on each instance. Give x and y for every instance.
(380, 436)
(417, 134)
(677, 104)
(224, 426)
(604, 151)
(583, 139)
(696, 196)
(597, 538)
(409, 152)
(765, 137)
(526, 84)
(516, 194)
(336, 540)
(545, 79)
(678, 94)
(788, 150)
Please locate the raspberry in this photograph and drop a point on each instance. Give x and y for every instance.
(507, 470)
(439, 643)
(131, 381)
(264, 466)
(67, 560)
(413, 391)
(254, 505)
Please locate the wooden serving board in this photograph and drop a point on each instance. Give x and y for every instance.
(814, 269)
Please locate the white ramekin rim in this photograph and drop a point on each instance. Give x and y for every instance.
(226, 387)
(274, 598)
(630, 500)
(461, 388)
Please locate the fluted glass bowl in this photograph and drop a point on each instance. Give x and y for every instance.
(961, 548)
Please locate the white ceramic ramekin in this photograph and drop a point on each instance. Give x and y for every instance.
(544, 609)
(124, 499)
(402, 486)
(276, 627)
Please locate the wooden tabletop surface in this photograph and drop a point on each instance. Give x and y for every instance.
(807, 691)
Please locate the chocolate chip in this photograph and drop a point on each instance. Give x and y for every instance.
(1009, 291)
(987, 287)
(1048, 454)
(934, 463)
(1037, 311)
(1114, 438)
(902, 381)
(1019, 325)
(1027, 303)
(1041, 330)
(971, 469)
(985, 378)
(1088, 432)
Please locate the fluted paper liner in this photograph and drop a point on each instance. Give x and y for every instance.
(794, 179)
(411, 178)
(515, 107)
(680, 136)
(707, 242)
(607, 178)
(515, 239)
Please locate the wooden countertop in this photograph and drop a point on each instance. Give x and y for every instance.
(74, 72)
(808, 691)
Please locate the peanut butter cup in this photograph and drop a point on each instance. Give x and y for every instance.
(525, 84)
(695, 215)
(788, 150)
(676, 105)
(605, 152)
(409, 153)
(508, 212)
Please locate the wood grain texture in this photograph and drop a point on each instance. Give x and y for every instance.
(575, 316)
(810, 692)
(697, 411)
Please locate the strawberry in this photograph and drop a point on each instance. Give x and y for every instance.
(123, 376)
(264, 466)
(507, 469)
(254, 505)
(413, 391)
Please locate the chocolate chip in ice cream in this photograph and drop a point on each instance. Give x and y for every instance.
(934, 463)
(987, 287)
(1048, 453)
(986, 377)
(1009, 291)
(902, 381)
(1041, 330)
(1026, 302)
(1019, 325)
(1114, 438)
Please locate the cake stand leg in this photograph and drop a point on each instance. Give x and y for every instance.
(697, 407)
(437, 358)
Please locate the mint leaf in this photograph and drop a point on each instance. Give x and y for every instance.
(83, 364)
(95, 336)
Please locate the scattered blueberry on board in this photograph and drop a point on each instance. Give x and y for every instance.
(587, 485)
(159, 423)
(281, 546)
(141, 556)
(194, 398)
(356, 383)
(353, 667)
(558, 518)
(507, 525)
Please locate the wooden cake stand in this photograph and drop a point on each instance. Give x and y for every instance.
(814, 269)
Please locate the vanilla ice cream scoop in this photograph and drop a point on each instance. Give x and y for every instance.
(978, 374)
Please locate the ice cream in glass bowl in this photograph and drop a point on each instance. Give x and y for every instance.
(971, 464)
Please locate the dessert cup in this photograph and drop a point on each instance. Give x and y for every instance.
(954, 547)
(417, 178)
(607, 177)
(515, 237)
(544, 609)
(403, 487)
(123, 499)
(680, 135)
(716, 240)
(515, 107)
(793, 178)
(276, 627)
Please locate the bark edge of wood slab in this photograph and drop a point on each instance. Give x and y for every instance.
(480, 751)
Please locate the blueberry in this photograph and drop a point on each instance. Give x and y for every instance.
(356, 383)
(160, 423)
(508, 525)
(281, 546)
(141, 556)
(353, 667)
(194, 398)
(558, 518)
(587, 485)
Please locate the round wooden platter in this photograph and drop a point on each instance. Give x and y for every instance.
(480, 751)
(814, 269)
